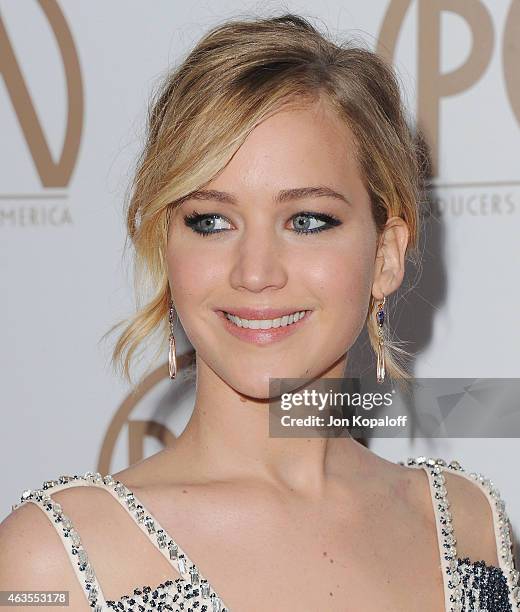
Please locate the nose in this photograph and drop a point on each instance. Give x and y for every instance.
(259, 260)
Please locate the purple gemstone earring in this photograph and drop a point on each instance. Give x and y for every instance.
(380, 318)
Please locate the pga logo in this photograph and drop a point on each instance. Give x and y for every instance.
(432, 84)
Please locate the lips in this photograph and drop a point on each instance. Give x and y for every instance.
(260, 313)
(263, 336)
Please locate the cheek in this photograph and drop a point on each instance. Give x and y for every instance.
(191, 275)
(343, 276)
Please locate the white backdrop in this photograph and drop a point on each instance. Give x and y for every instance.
(80, 74)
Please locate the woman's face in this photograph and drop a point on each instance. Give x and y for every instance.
(245, 251)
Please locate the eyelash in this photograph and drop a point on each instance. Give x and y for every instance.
(195, 217)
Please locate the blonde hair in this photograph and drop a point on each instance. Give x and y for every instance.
(239, 73)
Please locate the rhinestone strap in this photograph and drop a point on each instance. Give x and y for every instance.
(446, 538)
(197, 583)
(500, 521)
(160, 538)
(69, 537)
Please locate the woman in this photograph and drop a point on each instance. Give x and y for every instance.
(279, 177)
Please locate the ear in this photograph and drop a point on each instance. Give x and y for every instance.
(390, 258)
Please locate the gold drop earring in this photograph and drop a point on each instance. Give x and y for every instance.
(172, 358)
(380, 318)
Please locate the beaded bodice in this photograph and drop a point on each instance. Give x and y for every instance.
(468, 586)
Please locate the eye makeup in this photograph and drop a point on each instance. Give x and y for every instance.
(202, 223)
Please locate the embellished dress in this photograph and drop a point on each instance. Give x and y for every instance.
(469, 586)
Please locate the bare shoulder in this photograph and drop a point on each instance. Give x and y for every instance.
(480, 517)
(32, 557)
(173, 466)
(88, 519)
(475, 504)
(472, 518)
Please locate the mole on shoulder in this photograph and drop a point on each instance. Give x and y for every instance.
(324, 553)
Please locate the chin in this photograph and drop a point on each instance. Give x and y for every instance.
(262, 386)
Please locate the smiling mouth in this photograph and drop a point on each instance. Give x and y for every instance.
(262, 324)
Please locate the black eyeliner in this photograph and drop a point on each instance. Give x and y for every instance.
(195, 217)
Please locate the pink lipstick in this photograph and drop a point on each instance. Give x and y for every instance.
(279, 329)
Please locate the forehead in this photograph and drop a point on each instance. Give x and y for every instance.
(295, 146)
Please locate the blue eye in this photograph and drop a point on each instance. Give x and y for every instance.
(203, 224)
(206, 224)
(304, 222)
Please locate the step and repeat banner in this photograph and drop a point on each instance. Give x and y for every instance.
(77, 78)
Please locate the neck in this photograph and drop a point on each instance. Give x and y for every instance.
(229, 434)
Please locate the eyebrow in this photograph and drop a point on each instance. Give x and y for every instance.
(285, 195)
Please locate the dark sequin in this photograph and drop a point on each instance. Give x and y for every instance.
(482, 583)
(485, 585)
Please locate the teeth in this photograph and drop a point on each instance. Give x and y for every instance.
(266, 323)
